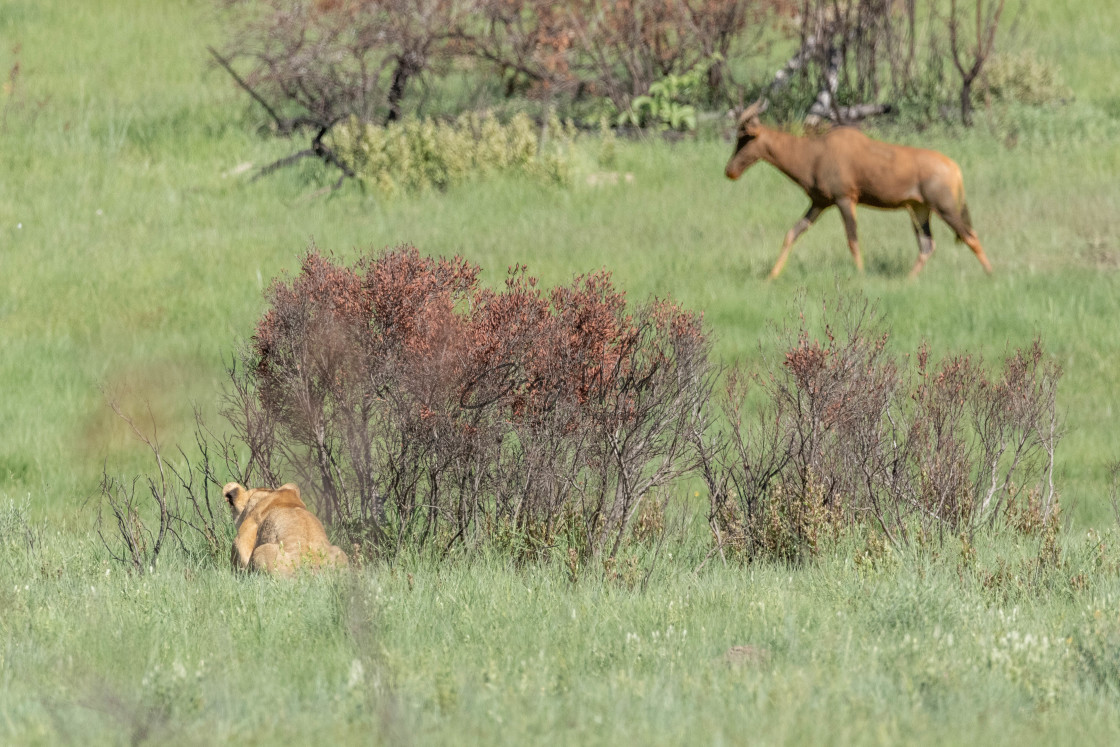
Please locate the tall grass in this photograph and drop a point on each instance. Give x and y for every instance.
(905, 649)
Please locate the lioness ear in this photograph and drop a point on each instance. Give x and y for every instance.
(292, 487)
(230, 492)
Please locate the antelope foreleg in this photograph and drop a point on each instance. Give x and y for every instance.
(848, 212)
(799, 228)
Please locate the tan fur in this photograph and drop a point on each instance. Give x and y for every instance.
(275, 531)
(845, 168)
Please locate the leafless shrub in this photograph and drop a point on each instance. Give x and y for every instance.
(311, 64)
(842, 432)
(609, 49)
(850, 54)
(179, 495)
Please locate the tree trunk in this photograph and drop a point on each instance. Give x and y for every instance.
(966, 101)
(406, 67)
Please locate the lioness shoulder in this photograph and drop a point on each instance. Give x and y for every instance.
(276, 533)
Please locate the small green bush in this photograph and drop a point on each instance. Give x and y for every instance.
(666, 106)
(421, 154)
(1021, 77)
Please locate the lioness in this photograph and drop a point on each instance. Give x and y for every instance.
(275, 531)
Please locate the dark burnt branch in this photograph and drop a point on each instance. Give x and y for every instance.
(408, 66)
(284, 126)
(329, 156)
(285, 161)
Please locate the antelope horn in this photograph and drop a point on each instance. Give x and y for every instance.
(754, 109)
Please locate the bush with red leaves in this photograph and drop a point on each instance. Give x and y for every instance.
(419, 407)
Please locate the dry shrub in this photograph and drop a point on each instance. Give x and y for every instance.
(420, 407)
(313, 63)
(841, 432)
(183, 495)
(614, 50)
(316, 64)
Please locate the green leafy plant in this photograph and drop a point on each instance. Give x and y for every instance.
(665, 106)
(1024, 78)
(420, 154)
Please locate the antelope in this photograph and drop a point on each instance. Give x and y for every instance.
(844, 167)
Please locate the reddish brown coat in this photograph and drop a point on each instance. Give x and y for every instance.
(844, 167)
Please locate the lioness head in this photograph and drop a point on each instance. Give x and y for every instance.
(236, 496)
(240, 498)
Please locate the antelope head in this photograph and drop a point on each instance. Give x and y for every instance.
(746, 150)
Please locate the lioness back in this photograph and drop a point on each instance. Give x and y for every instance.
(276, 533)
(289, 524)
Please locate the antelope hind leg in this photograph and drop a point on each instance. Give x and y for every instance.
(920, 217)
(973, 242)
(967, 234)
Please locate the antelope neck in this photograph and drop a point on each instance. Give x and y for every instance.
(790, 154)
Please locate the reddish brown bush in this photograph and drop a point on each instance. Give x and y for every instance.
(419, 406)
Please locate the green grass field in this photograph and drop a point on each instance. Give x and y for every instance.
(132, 260)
